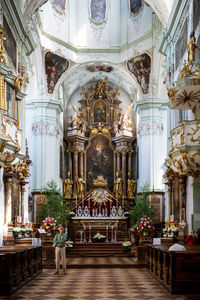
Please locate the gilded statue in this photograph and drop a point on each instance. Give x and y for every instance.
(23, 169)
(68, 182)
(118, 186)
(191, 47)
(80, 187)
(131, 189)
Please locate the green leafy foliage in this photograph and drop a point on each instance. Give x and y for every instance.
(142, 206)
(55, 207)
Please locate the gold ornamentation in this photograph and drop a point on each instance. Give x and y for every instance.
(100, 181)
(171, 93)
(101, 129)
(4, 122)
(2, 146)
(2, 39)
(193, 139)
(22, 169)
(18, 83)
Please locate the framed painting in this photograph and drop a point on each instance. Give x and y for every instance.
(135, 6)
(196, 13)
(181, 45)
(140, 66)
(59, 5)
(55, 66)
(10, 43)
(99, 112)
(100, 160)
(98, 68)
(98, 10)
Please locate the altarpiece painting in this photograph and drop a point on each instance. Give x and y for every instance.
(10, 43)
(100, 161)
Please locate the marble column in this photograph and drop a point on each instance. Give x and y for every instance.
(182, 193)
(23, 189)
(75, 170)
(124, 152)
(8, 201)
(118, 162)
(69, 154)
(130, 162)
(81, 167)
(170, 198)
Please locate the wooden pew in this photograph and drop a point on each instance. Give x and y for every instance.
(179, 271)
(18, 265)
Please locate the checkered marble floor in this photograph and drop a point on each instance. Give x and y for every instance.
(95, 284)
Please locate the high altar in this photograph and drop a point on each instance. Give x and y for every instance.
(100, 144)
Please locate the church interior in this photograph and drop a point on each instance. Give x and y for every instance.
(100, 135)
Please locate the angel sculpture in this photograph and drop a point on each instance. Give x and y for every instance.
(125, 121)
(78, 122)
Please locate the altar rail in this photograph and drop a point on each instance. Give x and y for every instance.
(179, 271)
(18, 265)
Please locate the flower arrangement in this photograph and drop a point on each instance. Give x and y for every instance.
(170, 231)
(69, 245)
(50, 225)
(16, 231)
(126, 246)
(99, 238)
(28, 231)
(145, 226)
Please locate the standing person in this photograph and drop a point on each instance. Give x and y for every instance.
(59, 242)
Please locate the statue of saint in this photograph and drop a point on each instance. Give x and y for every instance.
(80, 187)
(68, 186)
(131, 189)
(191, 47)
(118, 186)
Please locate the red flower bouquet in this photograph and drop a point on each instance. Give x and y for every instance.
(145, 226)
(50, 225)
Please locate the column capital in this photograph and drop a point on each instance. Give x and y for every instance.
(75, 151)
(124, 152)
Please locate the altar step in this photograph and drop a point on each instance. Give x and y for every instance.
(103, 262)
(99, 250)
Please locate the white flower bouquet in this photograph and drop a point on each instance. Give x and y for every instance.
(126, 246)
(69, 245)
(99, 238)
